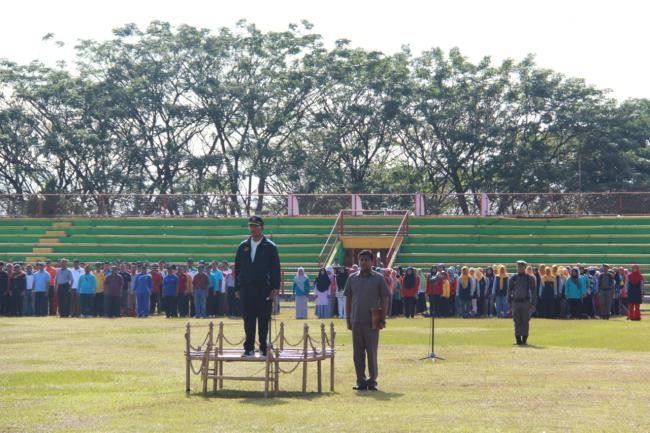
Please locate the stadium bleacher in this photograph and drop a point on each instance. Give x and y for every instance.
(475, 241)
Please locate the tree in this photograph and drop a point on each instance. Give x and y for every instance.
(254, 90)
(21, 170)
(356, 114)
(143, 77)
(452, 127)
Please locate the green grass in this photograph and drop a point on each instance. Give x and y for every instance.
(127, 375)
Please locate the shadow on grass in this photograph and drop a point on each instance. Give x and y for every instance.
(378, 395)
(257, 397)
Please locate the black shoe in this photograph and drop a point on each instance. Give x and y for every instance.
(263, 353)
(362, 385)
(248, 354)
(524, 339)
(372, 387)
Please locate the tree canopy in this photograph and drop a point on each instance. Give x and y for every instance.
(240, 113)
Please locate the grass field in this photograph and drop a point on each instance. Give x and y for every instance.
(127, 375)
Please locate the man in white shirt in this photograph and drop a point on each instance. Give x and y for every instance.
(75, 305)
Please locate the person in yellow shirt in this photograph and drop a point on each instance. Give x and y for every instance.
(445, 295)
(99, 293)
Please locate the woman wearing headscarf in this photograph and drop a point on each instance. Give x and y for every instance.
(454, 300)
(619, 291)
(465, 292)
(301, 292)
(332, 296)
(434, 289)
(500, 292)
(322, 291)
(559, 283)
(410, 287)
(490, 277)
(445, 294)
(574, 290)
(473, 276)
(634, 293)
(482, 293)
(396, 306)
(547, 293)
(341, 279)
(421, 301)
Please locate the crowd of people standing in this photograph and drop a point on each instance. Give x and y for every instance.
(207, 290)
(463, 291)
(118, 289)
(328, 296)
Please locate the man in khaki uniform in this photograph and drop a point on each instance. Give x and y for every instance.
(522, 297)
(365, 290)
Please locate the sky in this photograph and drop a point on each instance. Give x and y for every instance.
(602, 41)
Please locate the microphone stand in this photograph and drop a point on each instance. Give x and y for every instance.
(432, 355)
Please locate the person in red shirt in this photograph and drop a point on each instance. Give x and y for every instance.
(635, 291)
(200, 284)
(184, 281)
(434, 291)
(157, 278)
(410, 286)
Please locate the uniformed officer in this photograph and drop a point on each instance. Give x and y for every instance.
(257, 283)
(522, 297)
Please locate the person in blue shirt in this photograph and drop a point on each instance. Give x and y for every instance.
(41, 286)
(87, 286)
(142, 287)
(215, 299)
(170, 292)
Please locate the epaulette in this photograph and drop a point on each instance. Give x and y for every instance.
(270, 241)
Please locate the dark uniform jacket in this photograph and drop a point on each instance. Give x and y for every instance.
(521, 288)
(256, 279)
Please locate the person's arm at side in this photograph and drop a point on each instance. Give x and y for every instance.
(347, 292)
(348, 308)
(276, 272)
(534, 295)
(236, 273)
(642, 289)
(385, 296)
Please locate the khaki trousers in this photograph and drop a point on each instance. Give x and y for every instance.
(365, 341)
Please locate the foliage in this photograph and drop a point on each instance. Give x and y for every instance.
(247, 114)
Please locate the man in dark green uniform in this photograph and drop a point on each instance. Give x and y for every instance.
(522, 297)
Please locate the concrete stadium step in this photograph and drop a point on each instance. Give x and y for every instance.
(430, 239)
(40, 250)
